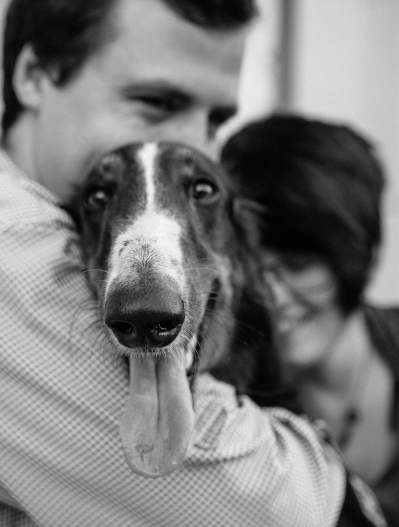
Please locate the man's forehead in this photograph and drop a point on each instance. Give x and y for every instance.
(157, 42)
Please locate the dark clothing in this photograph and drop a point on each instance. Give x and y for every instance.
(383, 325)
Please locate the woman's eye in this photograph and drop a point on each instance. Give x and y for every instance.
(299, 262)
(204, 190)
(97, 200)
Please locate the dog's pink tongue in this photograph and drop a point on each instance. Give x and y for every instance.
(158, 418)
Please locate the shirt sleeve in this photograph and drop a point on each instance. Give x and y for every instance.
(62, 390)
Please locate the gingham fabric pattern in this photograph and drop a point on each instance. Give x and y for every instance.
(62, 391)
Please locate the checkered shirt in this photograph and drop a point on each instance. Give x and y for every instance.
(62, 392)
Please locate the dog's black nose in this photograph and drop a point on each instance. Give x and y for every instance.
(151, 318)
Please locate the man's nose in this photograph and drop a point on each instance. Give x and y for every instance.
(193, 129)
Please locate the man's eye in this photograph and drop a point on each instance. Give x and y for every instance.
(205, 191)
(159, 104)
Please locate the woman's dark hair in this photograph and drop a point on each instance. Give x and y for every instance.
(320, 187)
(64, 33)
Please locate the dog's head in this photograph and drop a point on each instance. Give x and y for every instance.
(163, 254)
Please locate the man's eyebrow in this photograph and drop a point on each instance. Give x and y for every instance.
(181, 97)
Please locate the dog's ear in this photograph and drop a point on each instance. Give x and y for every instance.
(246, 207)
(249, 215)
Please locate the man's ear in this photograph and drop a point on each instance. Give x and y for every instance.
(28, 79)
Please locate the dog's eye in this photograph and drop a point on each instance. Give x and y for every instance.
(205, 191)
(97, 199)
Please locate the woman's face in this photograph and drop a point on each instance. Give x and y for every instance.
(304, 298)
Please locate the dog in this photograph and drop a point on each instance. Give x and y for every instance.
(169, 258)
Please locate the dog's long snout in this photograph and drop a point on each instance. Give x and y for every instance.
(151, 317)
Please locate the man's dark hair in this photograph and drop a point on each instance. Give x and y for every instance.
(64, 33)
(320, 185)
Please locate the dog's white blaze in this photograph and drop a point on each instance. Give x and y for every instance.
(154, 233)
(147, 155)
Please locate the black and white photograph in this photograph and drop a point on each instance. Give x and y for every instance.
(199, 263)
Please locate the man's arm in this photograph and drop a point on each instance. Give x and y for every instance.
(62, 391)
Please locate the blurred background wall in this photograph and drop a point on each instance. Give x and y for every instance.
(337, 59)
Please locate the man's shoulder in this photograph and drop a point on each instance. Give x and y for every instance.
(25, 203)
(40, 247)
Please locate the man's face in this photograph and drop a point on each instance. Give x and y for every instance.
(159, 78)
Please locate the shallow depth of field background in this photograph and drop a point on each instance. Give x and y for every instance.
(337, 59)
